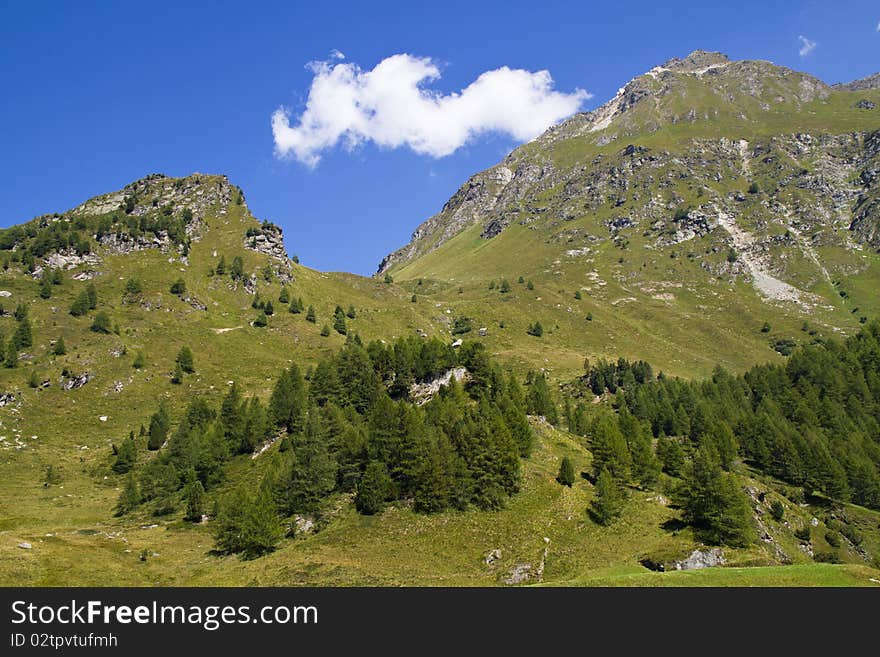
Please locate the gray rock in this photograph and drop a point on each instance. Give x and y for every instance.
(25, 546)
(701, 559)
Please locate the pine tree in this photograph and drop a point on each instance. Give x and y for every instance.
(530, 285)
(261, 320)
(269, 309)
(246, 524)
(157, 432)
(101, 323)
(609, 448)
(671, 455)
(713, 503)
(373, 489)
(92, 296)
(194, 493)
(237, 271)
(566, 472)
(608, 503)
(284, 296)
(220, 269)
(296, 305)
(126, 456)
(11, 360)
(178, 287)
(140, 361)
(45, 288)
(310, 316)
(339, 321)
(59, 348)
(351, 313)
(177, 375)
(185, 360)
(129, 498)
(81, 305)
(23, 335)
(505, 286)
(312, 475)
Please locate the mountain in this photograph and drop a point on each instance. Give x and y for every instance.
(708, 194)
(713, 212)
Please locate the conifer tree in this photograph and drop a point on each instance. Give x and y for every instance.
(45, 288)
(284, 295)
(339, 321)
(101, 323)
(81, 305)
(185, 360)
(92, 296)
(11, 360)
(194, 493)
(325, 331)
(59, 348)
(351, 313)
(23, 335)
(247, 524)
(140, 361)
(157, 432)
(130, 496)
(126, 456)
(310, 315)
(373, 489)
(177, 374)
(609, 448)
(505, 286)
(296, 305)
(608, 503)
(566, 472)
(237, 270)
(178, 287)
(269, 309)
(220, 269)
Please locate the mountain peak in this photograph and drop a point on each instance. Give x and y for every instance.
(698, 59)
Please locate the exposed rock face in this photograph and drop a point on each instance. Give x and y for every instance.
(76, 382)
(701, 559)
(816, 189)
(870, 82)
(424, 392)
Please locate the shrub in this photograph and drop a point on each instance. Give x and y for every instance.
(101, 323)
(832, 538)
(178, 287)
(777, 510)
(803, 533)
(133, 286)
(535, 329)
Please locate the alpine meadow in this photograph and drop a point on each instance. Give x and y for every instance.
(641, 350)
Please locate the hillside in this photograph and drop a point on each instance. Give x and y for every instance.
(706, 198)
(713, 212)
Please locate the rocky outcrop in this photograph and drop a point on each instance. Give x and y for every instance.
(701, 559)
(75, 382)
(864, 84)
(422, 393)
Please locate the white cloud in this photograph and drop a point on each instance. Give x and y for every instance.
(807, 46)
(391, 106)
(337, 54)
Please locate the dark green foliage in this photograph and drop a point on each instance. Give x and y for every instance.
(732, 256)
(177, 374)
(608, 503)
(609, 448)
(34, 380)
(566, 472)
(754, 188)
(351, 313)
(261, 320)
(194, 494)
(389, 279)
(59, 348)
(461, 325)
(185, 360)
(530, 285)
(92, 296)
(140, 361)
(505, 286)
(325, 331)
(803, 533)
(247, 524)
(339, 321)
(129, 498)
(712, 501)
(520, 280)
(296, 305)
(784, 346)
(284, 295)
(220, 269)
(577, 295)
(765, 328)
(178, 287)
(539, 401)
(811, 422)
(269, 309)
(81, 305)
(413, 298)
(133, 286)
(158, 431)
(237, 270)
(832, 538)
(374, 488)
(101, 323)
(11, 357)
(310, 315)
(126, 456)
(45, 288)
(23, 336)
(535, 329)
(777, 510)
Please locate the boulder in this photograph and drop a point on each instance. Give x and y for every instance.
(701, 559)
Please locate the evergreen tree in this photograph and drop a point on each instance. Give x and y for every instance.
(129, 498)
(284, 295)
(81, 305)
(713, 503)
(566, 472)
(178, 287)
(59, 348)
(194, 493)
(101, 323)
(312, 475)
(535, 329)
(539, 400)
(185, 360)
(92, 296)
(262, 320)
(374, 488)
(237, 270)
(310, 315)
(339, 321)
(23, 335)
(671, 455)
(140, 361)
(45, 288)
(220, 269)
(269, 309)
(177, 375)
(296, 305)
(610, 451)
(247, 524)
(11, 359)
(351, 313)
(158, 432)
(608, 503)
(325, 331)
(505, 286)
(126, 456)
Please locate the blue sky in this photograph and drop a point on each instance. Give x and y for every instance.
(98, 94)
